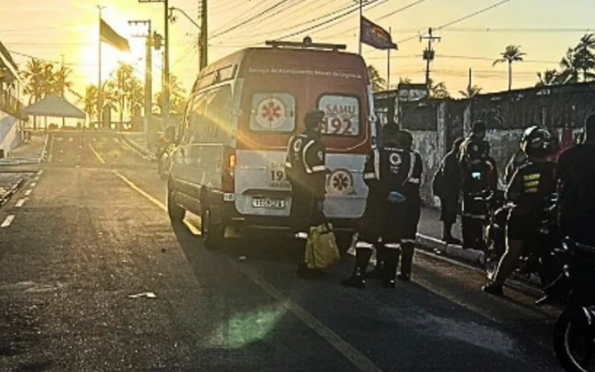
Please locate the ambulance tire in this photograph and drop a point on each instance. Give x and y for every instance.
(344, 241)
(175, 212)
(213, 234)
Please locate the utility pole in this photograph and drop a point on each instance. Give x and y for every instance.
(148, 75)
(62, 87)
(203, 45)
(429, 53)
(361, 14)
(166, 73)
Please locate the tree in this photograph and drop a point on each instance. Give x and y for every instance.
(548, 78)
(90, 100)
(32, 74)
(377, 82)
(134, 94)
(177, 97)
(583, 56)
(405, 80)
(439, 90)
(511, 54)
(470, 92)
(570, 68)
(60, 81)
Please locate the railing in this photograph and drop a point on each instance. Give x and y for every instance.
(10, 104)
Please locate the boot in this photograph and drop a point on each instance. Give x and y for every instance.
(390, 267)
(407, 262)
(358, 278)
(377, 272)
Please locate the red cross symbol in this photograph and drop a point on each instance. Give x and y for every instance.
(271, 111)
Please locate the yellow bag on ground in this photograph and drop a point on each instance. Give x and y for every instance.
(321, 248)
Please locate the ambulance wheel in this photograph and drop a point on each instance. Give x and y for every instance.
(175, 212)
(344, 241)
(213, 234)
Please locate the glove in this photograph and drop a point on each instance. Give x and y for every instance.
(396, 197)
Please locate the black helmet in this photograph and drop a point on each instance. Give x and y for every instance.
(536, 142)
(313, 117)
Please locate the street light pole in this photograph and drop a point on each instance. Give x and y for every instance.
(202, 36)
(148, 76)
(99, 87)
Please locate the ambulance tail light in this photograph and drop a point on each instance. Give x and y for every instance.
(230, 162)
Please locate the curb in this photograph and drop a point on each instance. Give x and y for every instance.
(453, 251)
(6, 197)
(145, 153)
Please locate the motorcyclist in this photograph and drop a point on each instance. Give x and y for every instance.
(528, 189)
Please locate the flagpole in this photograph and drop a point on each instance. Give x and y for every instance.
(388, 63)
(361, 14)
(99, 87)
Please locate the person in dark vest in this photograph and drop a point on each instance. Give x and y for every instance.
(477, 175)
(305, 167)
(447, 187)
(409, 211)
(528, 189)
(385, 173)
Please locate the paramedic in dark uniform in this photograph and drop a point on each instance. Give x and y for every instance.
(306, 171)
(409, 211)
(385, 172)
(476, 171)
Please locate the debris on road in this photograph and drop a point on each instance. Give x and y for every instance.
(144, 294)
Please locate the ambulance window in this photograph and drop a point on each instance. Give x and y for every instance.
(342, 115)
(218, 115)
(272, 112)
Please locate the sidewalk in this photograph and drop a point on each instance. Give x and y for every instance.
(430, 233)
(31, 152)
(138, 141)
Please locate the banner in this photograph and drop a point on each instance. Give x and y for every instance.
(375, 36)
(111, 37)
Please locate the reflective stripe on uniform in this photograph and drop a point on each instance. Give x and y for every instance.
(364, 245)
(304, 151)
(369, 176)
(474, 216)
(412, 161)
(392, 246)
(414, 181)
(408, 241)
(377, 163)
(319, 168)
(532, 177)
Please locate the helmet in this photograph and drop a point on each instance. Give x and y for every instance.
(536, 142)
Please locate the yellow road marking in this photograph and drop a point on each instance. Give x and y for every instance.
(141, 191)
(96, 154)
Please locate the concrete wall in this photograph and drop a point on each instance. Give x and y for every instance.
(10, 136)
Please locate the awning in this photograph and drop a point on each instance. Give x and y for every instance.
(54, 106)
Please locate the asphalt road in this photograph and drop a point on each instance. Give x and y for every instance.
(88, 232)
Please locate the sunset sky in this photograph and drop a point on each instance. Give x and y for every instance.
(52, 28)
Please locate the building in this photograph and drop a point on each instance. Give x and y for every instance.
(11, 93)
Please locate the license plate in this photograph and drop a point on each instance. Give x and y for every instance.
(269, 203)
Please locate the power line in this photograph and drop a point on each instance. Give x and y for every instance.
(354, 9)
(464, 18)
(258, 15)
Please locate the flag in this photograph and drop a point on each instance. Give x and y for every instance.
(111, 37)
(375, 36)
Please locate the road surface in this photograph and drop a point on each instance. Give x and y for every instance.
(95, 278)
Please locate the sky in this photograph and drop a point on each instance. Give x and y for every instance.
(68, 29)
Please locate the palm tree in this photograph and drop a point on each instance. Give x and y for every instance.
(511, 54)
(61, 82)
(570, 68)
(548, 78)
(177, 97)
(583, 54)
(470, 92)
(90, 100)
(32, 74)
(405, 80)
(134, 94)
(377, 82)
(439, 90)
(121, 81)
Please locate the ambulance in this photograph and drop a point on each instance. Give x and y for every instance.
(228, 163)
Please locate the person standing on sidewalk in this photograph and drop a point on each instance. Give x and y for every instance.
(385, 173)
(305, 167)
(447, 187)
(477, 169)
(409, 211)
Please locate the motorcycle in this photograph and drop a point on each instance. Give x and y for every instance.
(538, 257)
(574, 332)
